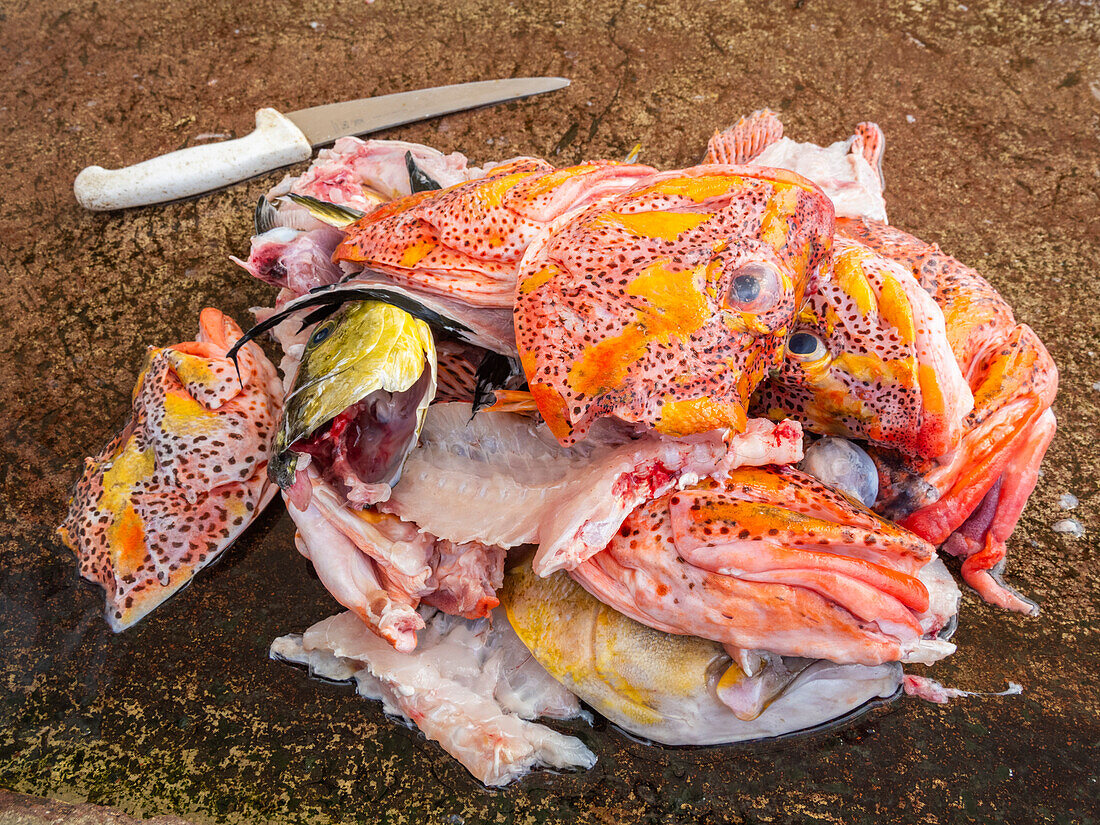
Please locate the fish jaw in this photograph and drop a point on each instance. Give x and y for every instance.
(184, 478)
(882, 369)
(625, 308)
(806, 589)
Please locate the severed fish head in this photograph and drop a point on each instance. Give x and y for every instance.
(185, 476)
(668, 304)
(869, 358)
(771, 559)
(358, 402)
(676, 689)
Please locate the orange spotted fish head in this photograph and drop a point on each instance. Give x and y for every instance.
(868, 358)
(185, 476)
(666, 305)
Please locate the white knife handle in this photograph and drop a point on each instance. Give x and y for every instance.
(275, 142)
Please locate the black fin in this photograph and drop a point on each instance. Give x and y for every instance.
(419, 180)
(264, 217)
(493, 373)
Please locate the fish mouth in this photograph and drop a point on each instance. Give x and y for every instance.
(361, 451)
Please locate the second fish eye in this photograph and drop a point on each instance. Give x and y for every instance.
(805, 346)
(320, 335)
(754, 286)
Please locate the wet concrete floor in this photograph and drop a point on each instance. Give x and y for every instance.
(992, 116)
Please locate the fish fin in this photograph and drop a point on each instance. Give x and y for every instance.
(493, 373)
(870, 142)
(419, 180)
(331, 213)
(515, 401)
(265, 216)
(742, 142)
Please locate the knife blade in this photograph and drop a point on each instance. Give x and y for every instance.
(279, 140)
(324, 124)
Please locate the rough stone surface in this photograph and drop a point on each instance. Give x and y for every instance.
(992, 113)
(23, 809)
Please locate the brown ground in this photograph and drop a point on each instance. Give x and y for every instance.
(992, 113)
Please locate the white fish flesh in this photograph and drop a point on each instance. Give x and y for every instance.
(471, 686)
(382, 568)
(849, 180)
(502, 479)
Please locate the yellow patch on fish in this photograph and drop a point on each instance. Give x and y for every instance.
(193, 370)
(538, 279)
(674, 304)
(553, 179)
(931, 393)
(183, 415)
(697, 415)
(871, 368)
(667, 226)
(129, 467)
(895, 309)
(698, 188)
(782, 205)
(962, 315)
(491, 193)
(853, 282)
(675, 300)
(126, 533)
(416, 252)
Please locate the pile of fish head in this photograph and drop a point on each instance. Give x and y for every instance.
(667, 305)
(358, 402)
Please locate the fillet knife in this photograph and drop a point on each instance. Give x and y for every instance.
(279, 140)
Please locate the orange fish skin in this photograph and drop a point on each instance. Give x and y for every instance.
(184, 478)
(807, 574)
(633, 307)
(466, 241)
(1014, 381)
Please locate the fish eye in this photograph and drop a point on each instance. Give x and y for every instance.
(320, 335)
(805, 346)
(754, 287)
